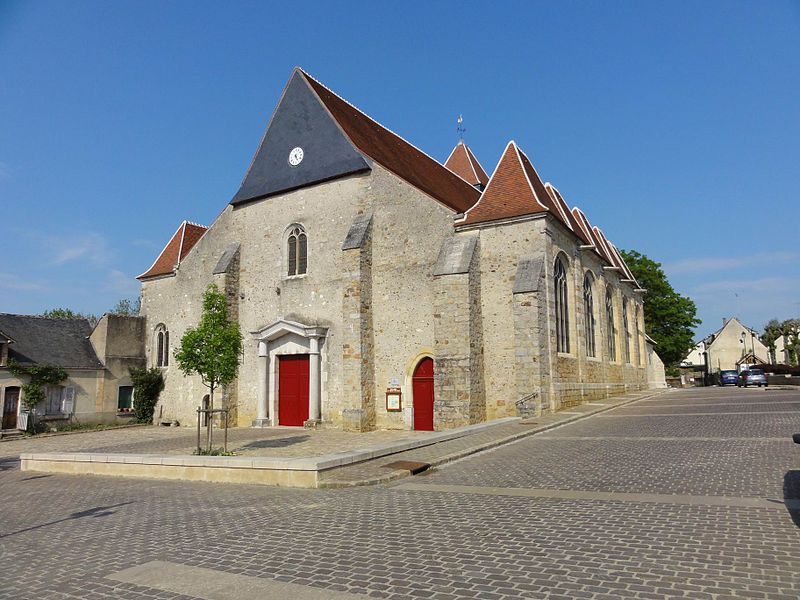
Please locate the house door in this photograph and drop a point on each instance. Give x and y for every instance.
(422, 387)
(10, 408)
(293, 389)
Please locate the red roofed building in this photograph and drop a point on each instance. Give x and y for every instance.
(380, 288)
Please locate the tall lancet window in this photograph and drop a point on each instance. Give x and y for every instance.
(626, 332)
(297, 251)
(611, 328)
(562, 306)
(589, 320)
(162, 346)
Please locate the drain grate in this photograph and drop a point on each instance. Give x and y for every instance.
(408, 465)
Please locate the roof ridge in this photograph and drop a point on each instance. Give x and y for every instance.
(381, 125)
(43, 317)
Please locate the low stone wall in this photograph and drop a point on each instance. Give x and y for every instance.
(783, 380)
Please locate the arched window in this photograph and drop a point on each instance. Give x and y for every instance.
(297, 251)
(162, 346)
(588, 309)
(562, 307)
(626, 332)
(611, 328)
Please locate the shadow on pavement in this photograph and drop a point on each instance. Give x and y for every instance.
(276, 443)
(97, 511)
(7, 464)
(791, 491)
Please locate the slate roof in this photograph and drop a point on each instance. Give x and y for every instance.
(394, 153)
(41, 340)
(178, 247)
(463, 163)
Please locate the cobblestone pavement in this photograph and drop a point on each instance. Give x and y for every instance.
(279, 441)
(455, 532)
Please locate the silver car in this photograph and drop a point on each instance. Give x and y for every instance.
(752, 377)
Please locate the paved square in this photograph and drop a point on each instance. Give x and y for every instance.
(615, 506)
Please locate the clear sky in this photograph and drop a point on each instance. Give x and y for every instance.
(674, 125)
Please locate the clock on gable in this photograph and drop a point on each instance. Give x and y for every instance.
(296, 156)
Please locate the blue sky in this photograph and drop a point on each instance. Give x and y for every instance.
(675, 126)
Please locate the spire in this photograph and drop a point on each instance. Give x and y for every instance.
(463, 163)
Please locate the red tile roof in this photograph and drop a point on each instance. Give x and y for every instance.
(570, 219)
(394, 153)
(178, 247)
(508, 194)
(463, 163)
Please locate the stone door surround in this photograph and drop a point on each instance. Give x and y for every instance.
(280, 338)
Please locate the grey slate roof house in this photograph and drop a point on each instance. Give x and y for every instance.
(96, 359)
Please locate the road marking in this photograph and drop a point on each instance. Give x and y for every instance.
(710, 414)
(210, 584)
(604, 496)
(765, 403)
(615, 438)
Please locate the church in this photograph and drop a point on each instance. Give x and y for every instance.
(377, 288)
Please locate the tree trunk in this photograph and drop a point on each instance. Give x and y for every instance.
(209, 419)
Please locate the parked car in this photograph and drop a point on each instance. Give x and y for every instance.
(728, 377)
(752, 377)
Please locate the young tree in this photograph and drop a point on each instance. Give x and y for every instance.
(211, 349)
(669, 317)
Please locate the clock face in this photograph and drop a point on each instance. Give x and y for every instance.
(295, 156)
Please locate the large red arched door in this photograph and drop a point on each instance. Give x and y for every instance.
(293, 389)
(423, 395)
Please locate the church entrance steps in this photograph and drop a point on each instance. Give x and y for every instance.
(299, 464)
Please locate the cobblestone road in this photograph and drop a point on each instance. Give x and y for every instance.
(677, 497)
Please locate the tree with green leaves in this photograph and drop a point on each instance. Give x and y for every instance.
(774, 329)
(147, 385)
(212, 349)
(127, 307)
(669, 317)
(68, 313)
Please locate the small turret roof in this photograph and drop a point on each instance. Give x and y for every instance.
(178, 247)
(463, 163)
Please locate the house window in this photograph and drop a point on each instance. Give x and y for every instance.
(162, 346)
(626, 330)
(297, 251)
(611, 327)
(562, 307)
(588, 309)
(53, 400)
(125, 398)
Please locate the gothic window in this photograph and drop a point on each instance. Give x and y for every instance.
(297, 251)
(588, 309)
(611, 330)
(562, 307)
(162, 346)
(626, 332)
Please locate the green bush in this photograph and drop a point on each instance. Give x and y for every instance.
(147, 385)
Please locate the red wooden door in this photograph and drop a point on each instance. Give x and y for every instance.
(10, 408)
(423, 395)
(293, 389)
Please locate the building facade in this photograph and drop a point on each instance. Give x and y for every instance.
(379, 288)
(727, 348)
(96, 359)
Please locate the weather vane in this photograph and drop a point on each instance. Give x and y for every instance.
(460, 129)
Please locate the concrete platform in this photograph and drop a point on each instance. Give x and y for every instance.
(350, 467)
